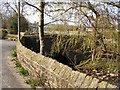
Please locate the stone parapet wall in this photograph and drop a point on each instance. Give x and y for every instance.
(54, 74)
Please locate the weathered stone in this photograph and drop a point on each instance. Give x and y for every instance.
(70, 77)
(52, 80)
(67, 74)
(54, 65)
(86, 82)
(76, 74)
(40, 57)
(65, 71)
(62, 72)
(51, 61)
(45, 62)
(64, 84)
(35, 65)
(80, 80)
(37, 70)
(28, 54)
(69, 85)
(58, 69)
(36, 58)
(26, 67)
(110, 86)
(102, 84)
(94, 83)
(27, 64)
(41, 62)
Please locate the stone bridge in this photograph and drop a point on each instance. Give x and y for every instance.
(54, 74)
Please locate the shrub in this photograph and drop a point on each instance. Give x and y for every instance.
(14, 53)
(3, 33)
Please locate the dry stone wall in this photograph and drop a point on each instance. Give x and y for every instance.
(54, 74)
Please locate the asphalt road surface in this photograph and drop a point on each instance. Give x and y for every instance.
(9, 77)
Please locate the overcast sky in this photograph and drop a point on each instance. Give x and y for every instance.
(31, 17)
(34, 17)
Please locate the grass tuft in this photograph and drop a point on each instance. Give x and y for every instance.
(14, 53)
(18, 64)
(23, 72)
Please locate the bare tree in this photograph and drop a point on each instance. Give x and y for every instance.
(89, 14)
(41, 27)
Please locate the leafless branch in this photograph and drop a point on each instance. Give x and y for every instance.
(11, 7)
(33, 6)
(113, 4)
(51, 22)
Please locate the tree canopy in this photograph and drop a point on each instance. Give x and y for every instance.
(12, 24)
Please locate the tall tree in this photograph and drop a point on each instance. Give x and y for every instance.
(41, 27)
(12, 24)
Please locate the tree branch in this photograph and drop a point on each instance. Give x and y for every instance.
(113, 4)
(33, 6)
(11, 7)
(51, 22)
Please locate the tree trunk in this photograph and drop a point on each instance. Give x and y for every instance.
(41, 27)
(18, 20)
